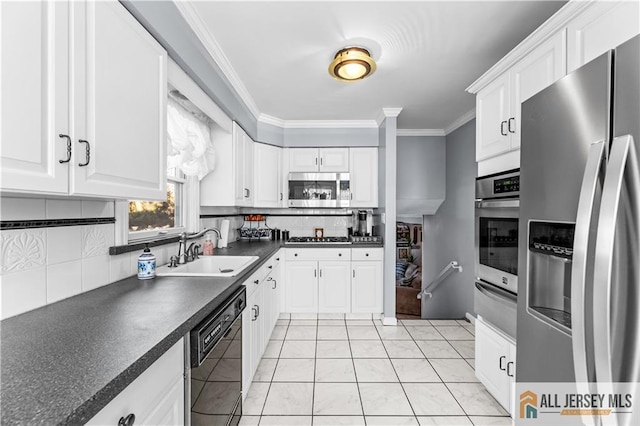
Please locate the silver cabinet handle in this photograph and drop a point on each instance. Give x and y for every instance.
(275, 284)
(591, 184)
(321, 161)
(502, 358)
(512, 120)
(247, 193)
(88, 156)
(68, 148)
(316, 161)
(258, 308)
(315, 273)
(502, 131)
(320, 273)
(354, 273)
(281, 196)
(509, 373)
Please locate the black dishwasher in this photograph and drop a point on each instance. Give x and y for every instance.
(216, 365)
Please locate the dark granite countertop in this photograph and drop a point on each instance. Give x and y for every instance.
(64, 362)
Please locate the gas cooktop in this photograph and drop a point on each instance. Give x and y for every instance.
(314, 240)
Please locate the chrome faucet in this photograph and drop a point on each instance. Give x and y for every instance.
(190, 253)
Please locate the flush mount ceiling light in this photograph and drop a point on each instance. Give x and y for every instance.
(352, 63)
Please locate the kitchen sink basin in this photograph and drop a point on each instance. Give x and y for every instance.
(209, 266)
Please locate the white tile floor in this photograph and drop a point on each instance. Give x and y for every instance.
(336, 371)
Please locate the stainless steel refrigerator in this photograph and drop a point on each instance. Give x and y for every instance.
(579, 258)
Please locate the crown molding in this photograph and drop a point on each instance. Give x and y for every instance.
(555, 23)
(317, 124)
(420, 132)
(213, 48)
(470, 115)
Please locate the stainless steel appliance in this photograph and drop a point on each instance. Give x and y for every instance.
(215, 357)
(316, 240)
(496, 256)
(579, 240)
(319, 190)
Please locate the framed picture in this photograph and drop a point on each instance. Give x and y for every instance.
(318, 232)
(403, 253)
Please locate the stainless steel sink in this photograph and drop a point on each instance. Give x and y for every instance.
(209, 266)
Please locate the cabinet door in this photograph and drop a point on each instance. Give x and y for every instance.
(255, 305)
(303, 160)
(170, 410)
(267, 185)
(301, 293)
(603, 26)
(363, 169)
(120, 105)
(34, 105)
(492, 357)
(247, 170)
(492, 106)
(541, 68)
(334, 287)
(366, 287)
(334, 159)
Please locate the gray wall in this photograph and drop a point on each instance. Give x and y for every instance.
(449, 234)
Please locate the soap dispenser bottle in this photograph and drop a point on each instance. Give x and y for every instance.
(146, 264)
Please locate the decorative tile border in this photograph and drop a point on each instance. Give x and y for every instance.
(6, 225)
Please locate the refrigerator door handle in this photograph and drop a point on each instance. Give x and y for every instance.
(586, 206)
(623, 169)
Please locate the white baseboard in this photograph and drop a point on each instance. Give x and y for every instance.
(388, 320)
(470, 318)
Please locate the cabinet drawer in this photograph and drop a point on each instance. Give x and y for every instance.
(318, 254)
(366, 254)
(148, 391)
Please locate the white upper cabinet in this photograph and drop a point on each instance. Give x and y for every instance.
(492, 111)
(120, 88)
(363, 168)
(243, 161)
(319, 160)
(268, 176)
(498, 105)
(34, 105)
(603, 26)
(113, 117)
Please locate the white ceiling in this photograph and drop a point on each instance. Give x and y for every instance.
(276, 54)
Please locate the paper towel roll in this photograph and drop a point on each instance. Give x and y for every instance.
(224, 234)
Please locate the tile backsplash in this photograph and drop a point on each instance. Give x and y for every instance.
(43, 265)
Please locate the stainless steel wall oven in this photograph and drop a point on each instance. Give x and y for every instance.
(496, 255)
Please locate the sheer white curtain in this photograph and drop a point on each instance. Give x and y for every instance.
(189, 142)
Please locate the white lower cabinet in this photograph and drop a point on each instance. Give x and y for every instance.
(334, 287)
(301, 294)
(496, 363)
(333, 280)
(156, 397)
(260, 316)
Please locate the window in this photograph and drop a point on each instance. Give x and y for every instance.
(151, 218)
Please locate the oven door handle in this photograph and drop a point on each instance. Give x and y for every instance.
(498, 204)
(495, 294)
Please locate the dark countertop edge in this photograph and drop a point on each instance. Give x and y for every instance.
(103, 397)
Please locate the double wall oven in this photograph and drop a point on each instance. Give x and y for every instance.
(496, 255)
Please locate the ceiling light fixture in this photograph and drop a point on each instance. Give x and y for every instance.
(352, 63)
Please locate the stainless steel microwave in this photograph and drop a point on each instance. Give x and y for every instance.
(319, 190)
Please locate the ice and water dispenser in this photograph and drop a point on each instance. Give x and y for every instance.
(550, 251)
